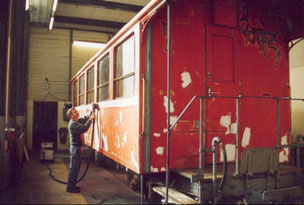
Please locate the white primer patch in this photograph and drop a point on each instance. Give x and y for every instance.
(165, 130)
(163, 169)
(233, 128)
(246, 137)
(160, 150)
(120, 102)
(172, 120)
(124, 138)
(120, 116)
(166, 104)
(116, 123)
(284, 140)
(156, 134)
(283, 156)
(117, 143)
(230, 150)
(186, 78)
(96, 139)
(105, 142)
(154, 169)
(225, 122)
(134, 160)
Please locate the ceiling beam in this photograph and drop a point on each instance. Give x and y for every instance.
(45, 25)
(106, 4)
(90, 22)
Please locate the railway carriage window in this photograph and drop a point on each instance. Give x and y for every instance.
(90, 85)
(75, 93)
(103, 79)
(124, 81)
(81, 90)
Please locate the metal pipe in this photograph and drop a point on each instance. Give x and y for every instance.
(185, 109)
(298, 158)
(70, 65)
(141, 189)
(215, 141)
(237, 136)
(200, 171)
(168, 97)
(147, 105)
(8, 58)
(278, 122)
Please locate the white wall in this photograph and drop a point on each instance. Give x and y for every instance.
(296, 62)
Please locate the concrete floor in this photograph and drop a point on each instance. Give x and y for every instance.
(34, 186)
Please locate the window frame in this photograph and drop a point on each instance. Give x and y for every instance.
(104, 84)
(82, 94)
(87, 89)
(123, 77)
(75, 92)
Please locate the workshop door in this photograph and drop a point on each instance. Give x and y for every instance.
(222, 80)
(45, 121)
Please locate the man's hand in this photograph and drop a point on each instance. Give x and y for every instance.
(92, 117)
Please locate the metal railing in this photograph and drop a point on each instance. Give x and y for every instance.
(237, 101)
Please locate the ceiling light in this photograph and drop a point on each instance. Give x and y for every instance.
(55, 2)
(51, 23)
(27, 5)
(88, 44)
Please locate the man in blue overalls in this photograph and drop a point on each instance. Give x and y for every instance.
(77, 126)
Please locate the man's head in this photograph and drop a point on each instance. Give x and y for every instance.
(73, 114)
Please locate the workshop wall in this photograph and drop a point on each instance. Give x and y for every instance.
(53, 60)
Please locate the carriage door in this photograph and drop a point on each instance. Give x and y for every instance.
(222, 80)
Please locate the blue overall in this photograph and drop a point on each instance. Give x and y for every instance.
(76, 128)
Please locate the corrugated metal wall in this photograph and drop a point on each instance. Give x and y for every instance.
(48, 58)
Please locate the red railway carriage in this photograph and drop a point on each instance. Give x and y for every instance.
(228, 52)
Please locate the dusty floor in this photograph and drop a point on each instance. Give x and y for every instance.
(34, 186)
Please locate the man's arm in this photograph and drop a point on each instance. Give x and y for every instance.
(79, 128)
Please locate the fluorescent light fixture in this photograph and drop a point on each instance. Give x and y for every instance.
(27, 5)
(51, 23)
(55, 2)
(88, 44)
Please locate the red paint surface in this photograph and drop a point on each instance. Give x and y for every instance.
(232, 60)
